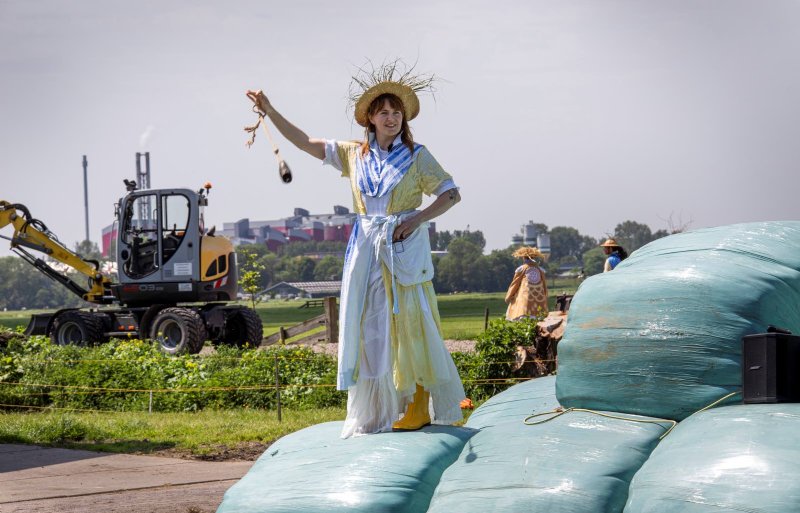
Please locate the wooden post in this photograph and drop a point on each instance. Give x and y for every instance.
(486, 319)
(278, 387)
(331, 320)
(283, 336)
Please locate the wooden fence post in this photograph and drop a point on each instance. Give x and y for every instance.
(278, 386)
(486, 319)
(331, 320)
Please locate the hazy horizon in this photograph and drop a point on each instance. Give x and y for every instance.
(582, 114)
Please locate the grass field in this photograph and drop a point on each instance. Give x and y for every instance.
(207, 433)
(463, 315)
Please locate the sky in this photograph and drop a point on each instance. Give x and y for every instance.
(585, 113)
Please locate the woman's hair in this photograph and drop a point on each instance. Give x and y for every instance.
(374, 107)
(622, 253)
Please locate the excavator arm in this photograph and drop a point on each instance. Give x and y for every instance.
(32, 234)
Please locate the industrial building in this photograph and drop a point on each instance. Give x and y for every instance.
(301, 227)
(529, 236)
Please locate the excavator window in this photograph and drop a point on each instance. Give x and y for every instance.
(146, 219)
(140, 233)
(212, 269)
(175, 212)
(217, 266)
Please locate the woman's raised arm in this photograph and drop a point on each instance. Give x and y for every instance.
(314, 147)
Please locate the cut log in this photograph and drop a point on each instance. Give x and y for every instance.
(540, 359)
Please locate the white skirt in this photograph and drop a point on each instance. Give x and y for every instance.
(382, 391)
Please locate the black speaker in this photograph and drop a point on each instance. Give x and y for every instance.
(771, 368)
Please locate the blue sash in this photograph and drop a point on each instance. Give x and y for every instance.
(377, 178)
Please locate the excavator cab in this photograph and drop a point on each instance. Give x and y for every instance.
(164, 252)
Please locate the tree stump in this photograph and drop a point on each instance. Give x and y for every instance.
(540, 359)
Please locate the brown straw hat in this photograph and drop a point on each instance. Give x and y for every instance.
(611, 243)
(393, 77)
(529, 252)
(404, 92)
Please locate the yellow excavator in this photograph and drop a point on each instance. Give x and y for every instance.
(175, 278)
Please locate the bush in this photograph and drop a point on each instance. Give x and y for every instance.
(488, 371)
(122, 374)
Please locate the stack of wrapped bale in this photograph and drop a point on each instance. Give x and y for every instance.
(658, 338)
(576, 462)
(661, 336)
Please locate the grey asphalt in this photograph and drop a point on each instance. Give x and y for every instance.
(44, 480)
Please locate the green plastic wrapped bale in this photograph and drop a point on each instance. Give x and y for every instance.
(575, 463)
(534, 396)
(734, 458)
(313, 470)
(661, 335)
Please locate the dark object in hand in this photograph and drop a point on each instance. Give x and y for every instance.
(285, 172)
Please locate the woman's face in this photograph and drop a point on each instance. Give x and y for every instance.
(607, 250)
(388, 121)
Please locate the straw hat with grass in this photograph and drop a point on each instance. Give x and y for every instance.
(394, 77)
(530, 253)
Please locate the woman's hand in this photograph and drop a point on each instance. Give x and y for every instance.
(262, 105)
(406, 228)
(260, 101)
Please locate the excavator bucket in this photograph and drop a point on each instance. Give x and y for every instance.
(38, 324)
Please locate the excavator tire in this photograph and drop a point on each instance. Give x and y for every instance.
(76, 328)
(178, 330)
(242, 327)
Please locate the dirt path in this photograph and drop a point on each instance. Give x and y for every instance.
(46, 480)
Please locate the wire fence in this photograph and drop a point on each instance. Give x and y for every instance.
(31, 395)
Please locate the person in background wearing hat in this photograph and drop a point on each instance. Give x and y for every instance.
(615, 252)
(392, 360)
(527, 294)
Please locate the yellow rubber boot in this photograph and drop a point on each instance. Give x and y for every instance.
(417, 415)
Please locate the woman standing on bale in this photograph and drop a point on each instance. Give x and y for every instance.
(392, 358)
(527, 294)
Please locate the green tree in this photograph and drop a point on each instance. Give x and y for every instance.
(313, 248)
(298, 268)
(661, 233)
(250, 276)
(593, 261)
(88, 250)
(441, 240)
(632, 235)
(499, 270)
(567, 241)
(457, 269)
(23, 286)
(329, 268)
(257, 250)
(270, 261)
(476, 237)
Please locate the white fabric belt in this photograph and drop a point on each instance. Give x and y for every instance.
(386, 225)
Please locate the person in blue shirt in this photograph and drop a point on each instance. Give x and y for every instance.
(615, 252)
